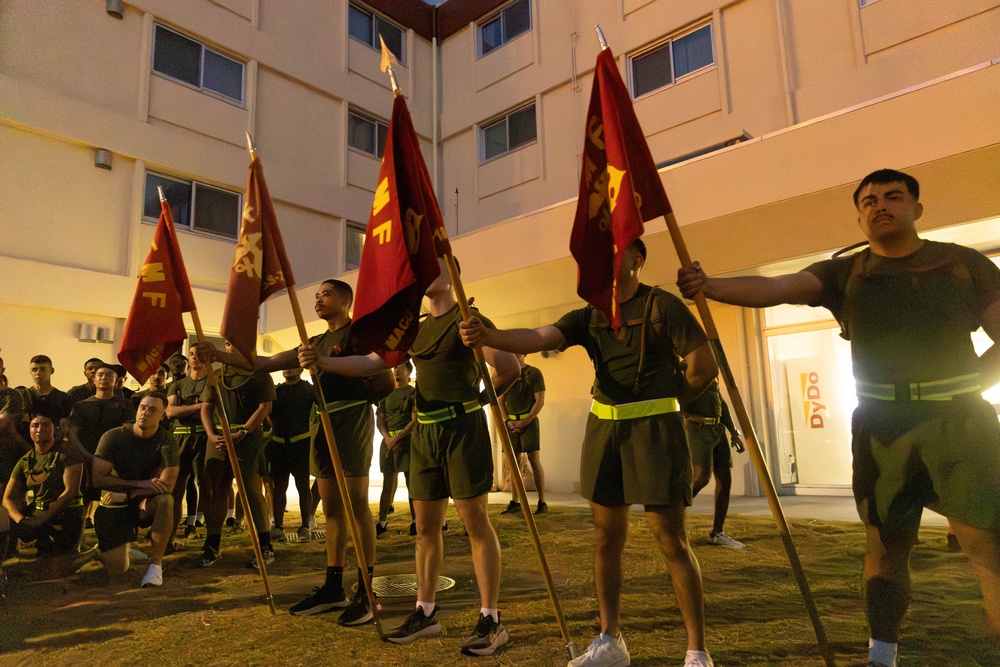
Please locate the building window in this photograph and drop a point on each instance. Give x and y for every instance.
(366, 134)
(353, 245)
(503, 135)
(512, 21)
(185, 60)
(194, 206)
(665, 63)
(365, 27)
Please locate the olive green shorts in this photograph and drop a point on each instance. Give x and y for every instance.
(709, 446)
(452, 458)
(527, 441)
(354, 431)
(641, 461)
(396, 461)
(944, 455)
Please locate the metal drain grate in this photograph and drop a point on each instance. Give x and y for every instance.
(404, 585)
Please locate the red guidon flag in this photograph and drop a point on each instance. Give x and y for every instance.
(404, 238)
(155, 327)
(260, 266)
(620, 189)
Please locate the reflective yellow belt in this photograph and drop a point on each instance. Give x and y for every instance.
(515, 418)
(448, 413)
(42, 505)
(935, 390)
(657, 406)
(334, 406)
(188, 430)
(294, 438)
(392, 434)
(703, 421)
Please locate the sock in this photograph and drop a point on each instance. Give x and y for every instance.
(883, 652)
(383, 523)
(427, 607)
(699, 655)
(492, 613)
(312, 523)
(231, 514)
(334, 577)
(213, 542)
(361, 581)
(191, 520)
(265, 540)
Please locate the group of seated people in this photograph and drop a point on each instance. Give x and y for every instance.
(97, 451)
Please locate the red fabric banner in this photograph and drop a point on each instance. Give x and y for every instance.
(260, 265)
(404, 238)
(620, 189)
(155, 327)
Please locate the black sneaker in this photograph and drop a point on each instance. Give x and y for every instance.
(381, 527)
(390, 510)
(487, 637)
(513, 507)
(358, 612)
(445, 528)
(189, 532)
(321, 601)
(415, 626)
(953, 546)
(230, 522)
(267, 553)
(543, 507)
(209, 557)
(88, 524)
(413, 529)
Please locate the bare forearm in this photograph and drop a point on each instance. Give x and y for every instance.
(523, 341)
(353, 366)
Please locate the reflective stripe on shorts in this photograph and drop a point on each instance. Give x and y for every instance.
(657, 406)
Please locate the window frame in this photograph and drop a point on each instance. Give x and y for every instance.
(191, 225)
(362, 230)
(504, 39)
(374, 43)
(201, 68)
(668, 43)
(379, 150)
(505, 118)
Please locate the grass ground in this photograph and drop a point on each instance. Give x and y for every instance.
(754, 613)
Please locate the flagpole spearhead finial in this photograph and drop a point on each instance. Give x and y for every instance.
(250, 146)
(163, 198)
(600, 37)
(388, 60)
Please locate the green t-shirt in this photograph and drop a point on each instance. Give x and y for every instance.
(12, 448)
(242, 393)
(188, 392)
(56, 404)
(43, 473)
(447, 371)
(340, 343)
(11, 401)
(672, 332)
(520, 398)
(398, 408)
(707, 404)
(94, 416)
(135, 458)
(291, 408)
(909, 319)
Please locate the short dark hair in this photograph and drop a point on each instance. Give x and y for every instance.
(40, 359)
(100, 361)
(640, 247)
(341, 288)
(119, 369)
(409, 365)
(165, 367)
(884, 176)
(157, 394)
(43, 413)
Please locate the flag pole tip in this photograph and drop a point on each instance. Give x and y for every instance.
(600, 37)
(250, 146)
(159, 188)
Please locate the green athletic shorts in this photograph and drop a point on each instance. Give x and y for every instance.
(60, 535)
(527, 441)
(396, 461)
(118, 524)
(944, 455)
(709, 446)
(453, 458)
(354, 431)
(249, 453)
(641, 461)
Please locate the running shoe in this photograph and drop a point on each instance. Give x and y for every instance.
(415, 626)
(486, 638)
(604, 651)
(154, 576)
(543, 507)
(322, 600)
(303, 534)
(358, 612)
(209, 557)
(723, 540)
(513, 507)
(267, 553)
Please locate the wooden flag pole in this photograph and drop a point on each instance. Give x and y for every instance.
(508, 452)
(753, 447)
(231, 451)
(331, 444)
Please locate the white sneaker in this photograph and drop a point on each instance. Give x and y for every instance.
(724, 540)
(698, 658)
(604, 651)
(154, 576)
